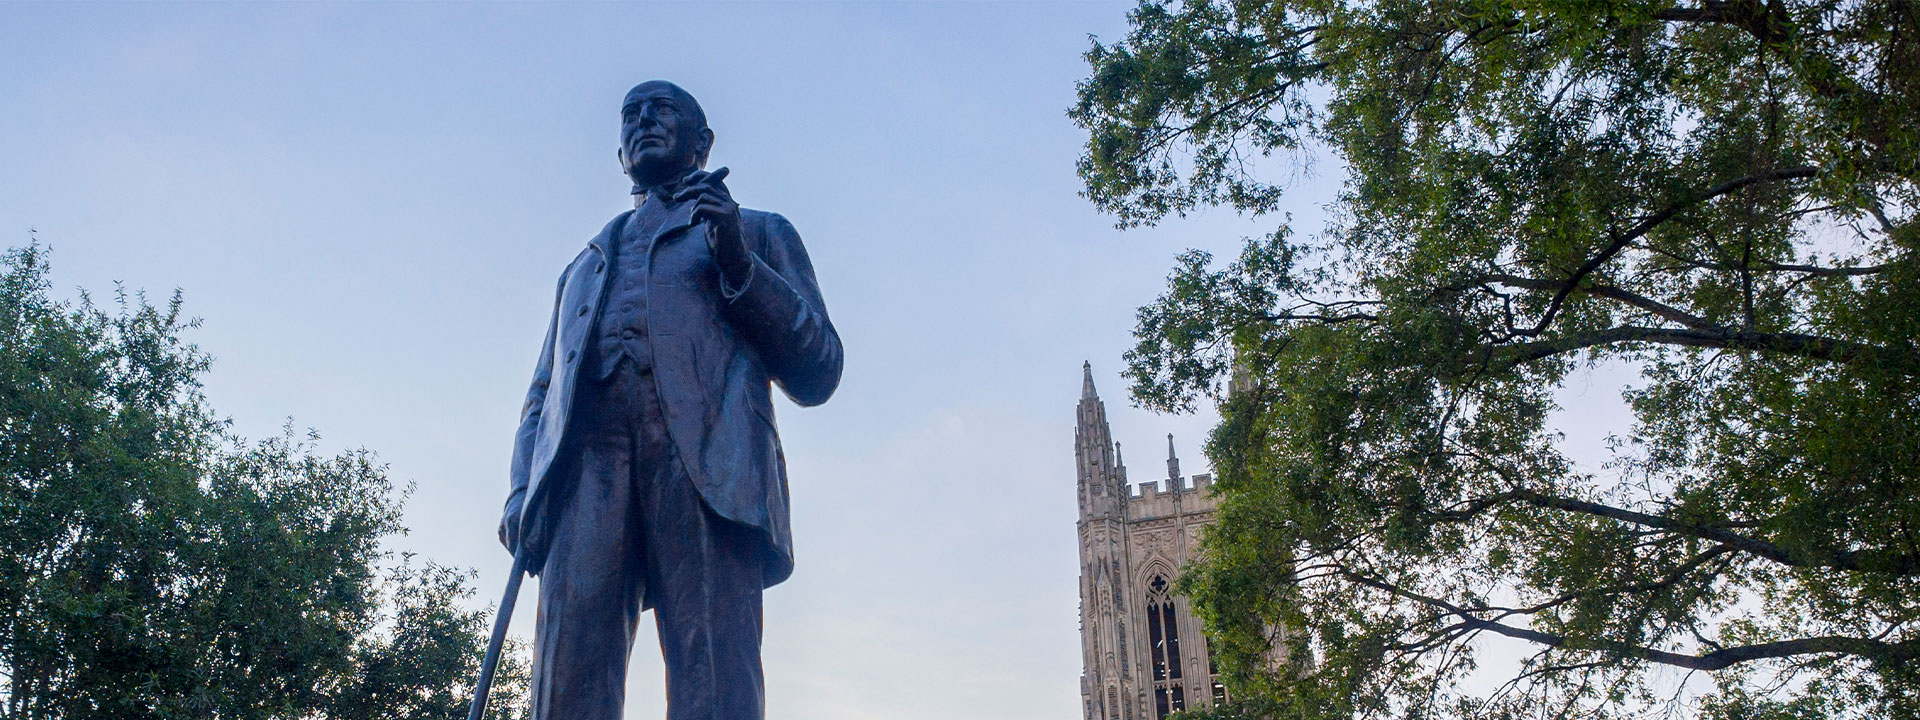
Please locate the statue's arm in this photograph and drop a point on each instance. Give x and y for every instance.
(524, 437)
(777, 306)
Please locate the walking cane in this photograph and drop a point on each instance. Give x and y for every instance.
(492, 658)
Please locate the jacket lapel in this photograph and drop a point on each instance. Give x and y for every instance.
(609, 238)
(679, 217)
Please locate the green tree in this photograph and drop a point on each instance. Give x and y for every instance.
(154, 566)
(1719, 196)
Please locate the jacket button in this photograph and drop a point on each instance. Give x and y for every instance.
(602, 265)
(570, 354)
(583, 310)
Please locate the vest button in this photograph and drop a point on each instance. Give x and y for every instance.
(583, 310)
(570, 354)
(602, 265)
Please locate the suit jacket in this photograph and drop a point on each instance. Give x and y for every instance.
(713, 358)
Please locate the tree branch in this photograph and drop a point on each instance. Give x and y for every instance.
(1322, 319)
(1856, 560)
(1879, 561)
(1824, 271)
(1795, 344)
(1720, 659)
(1208, 118)
(1670, 579)
(1612, 293)
(1650, 222)
(1747, 15)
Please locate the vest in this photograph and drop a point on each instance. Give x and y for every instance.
(622, 330)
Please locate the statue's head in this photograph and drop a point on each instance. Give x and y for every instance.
(663, 134)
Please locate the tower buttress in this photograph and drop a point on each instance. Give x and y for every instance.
(1106, 683)
(1099, 457)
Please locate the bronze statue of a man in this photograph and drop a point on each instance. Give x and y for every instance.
(646, 471)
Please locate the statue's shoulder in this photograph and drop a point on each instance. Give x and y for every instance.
(606, 233)
(751, 216)
(597, 244)
(769, 223)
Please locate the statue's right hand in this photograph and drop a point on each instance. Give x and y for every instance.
(510, 526)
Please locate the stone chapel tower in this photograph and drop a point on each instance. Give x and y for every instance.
(1144, 653)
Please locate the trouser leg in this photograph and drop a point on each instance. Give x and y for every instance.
(591, 585)
(635, 524)
(705, 575)
(709, 622)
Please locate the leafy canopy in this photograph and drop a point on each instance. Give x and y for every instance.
(1719, 196)
(154, 566)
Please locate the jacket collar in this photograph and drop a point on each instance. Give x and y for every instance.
(603, 241)
(679, 217)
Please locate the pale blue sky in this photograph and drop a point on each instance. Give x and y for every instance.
(368, 205)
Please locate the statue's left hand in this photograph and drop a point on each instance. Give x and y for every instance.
(714, 205)
(510, 524)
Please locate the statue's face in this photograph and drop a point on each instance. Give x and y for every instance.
(662, 135)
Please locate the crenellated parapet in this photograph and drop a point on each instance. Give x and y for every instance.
(1195, 484)
(1201, 484)
(1172, 497)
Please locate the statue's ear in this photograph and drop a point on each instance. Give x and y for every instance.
(706, 146)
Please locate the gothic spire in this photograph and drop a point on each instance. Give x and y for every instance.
(1173, 461)
(1100, 470)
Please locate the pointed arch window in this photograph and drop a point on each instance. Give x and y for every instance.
(1163, 632)
(1213, 673)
